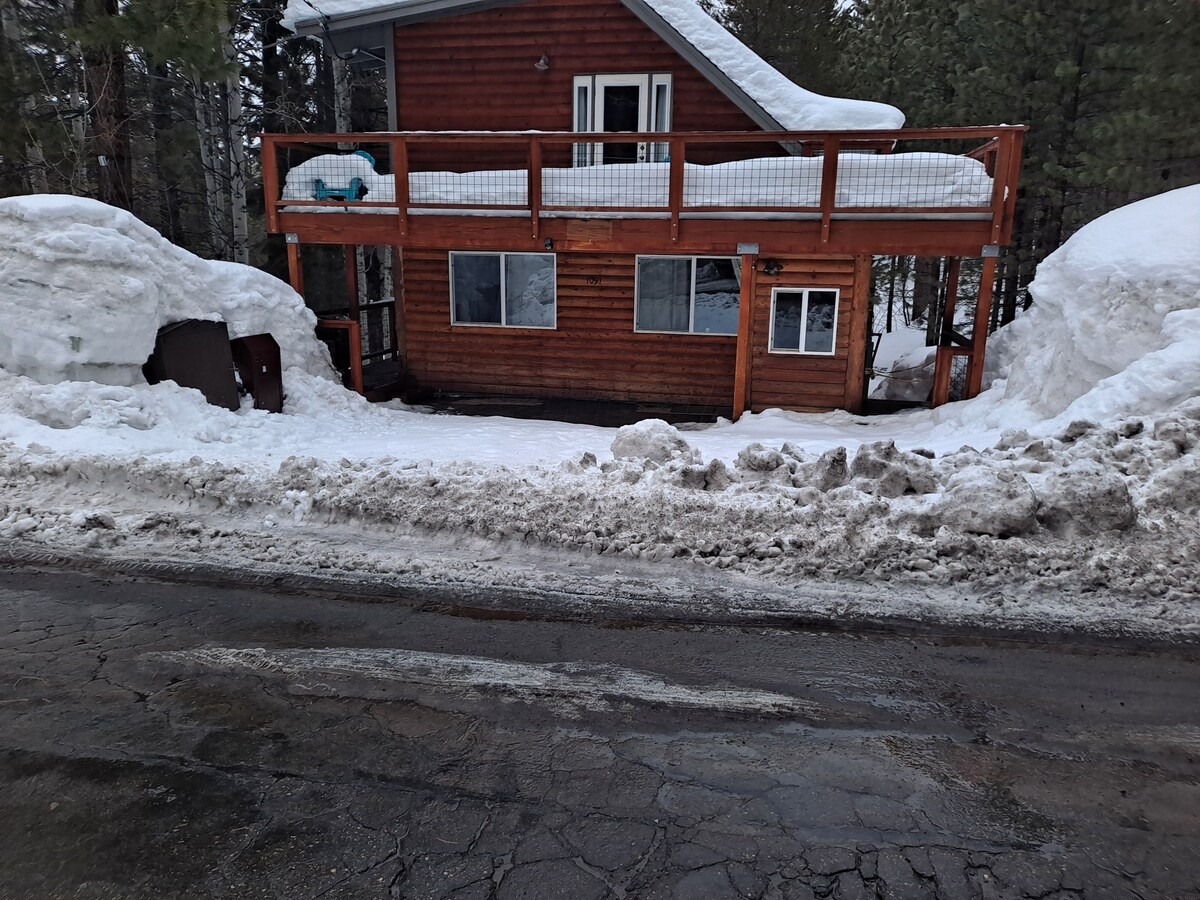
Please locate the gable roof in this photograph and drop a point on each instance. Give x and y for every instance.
(773, 101)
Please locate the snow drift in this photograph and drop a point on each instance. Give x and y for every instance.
(84, 288)
(1115, 324)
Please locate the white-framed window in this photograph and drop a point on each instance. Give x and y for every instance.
(515, 290)
(617, 103)
(687, 294)
(804, 320)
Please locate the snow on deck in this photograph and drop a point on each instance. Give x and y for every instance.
(793, 107)
(908, 180)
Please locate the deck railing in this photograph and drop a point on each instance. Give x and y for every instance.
(933, 173)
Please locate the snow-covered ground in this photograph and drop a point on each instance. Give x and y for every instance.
(1068, 495)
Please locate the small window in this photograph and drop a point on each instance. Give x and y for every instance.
(510, 289)
(688, 294)
(804, 321)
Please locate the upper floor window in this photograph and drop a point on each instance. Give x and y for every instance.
(804, 320)
(508, 289)
(637, 102)
(695, 294)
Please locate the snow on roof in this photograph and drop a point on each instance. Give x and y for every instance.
(790, 106)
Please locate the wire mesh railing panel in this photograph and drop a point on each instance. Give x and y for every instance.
(776, 182)
(646, 173)
(337, 175)
(960, 366)
(918, 179)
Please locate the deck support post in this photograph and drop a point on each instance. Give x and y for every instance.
(295, 267)
(945, 358)
(860, 334)
(742, 360)
(983, 309)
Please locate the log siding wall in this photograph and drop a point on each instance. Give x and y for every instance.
(594, 352)
(476, 71)
(794, 380)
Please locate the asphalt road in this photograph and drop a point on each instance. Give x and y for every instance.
(165, 740)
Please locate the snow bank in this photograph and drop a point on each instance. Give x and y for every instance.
(84, 288)
(864, 180)
(794, 108)
(1115, 324)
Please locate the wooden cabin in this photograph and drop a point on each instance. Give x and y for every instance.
(616, 200)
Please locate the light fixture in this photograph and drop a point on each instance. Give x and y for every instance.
(772, 267)
(543, 64)
(549, 245)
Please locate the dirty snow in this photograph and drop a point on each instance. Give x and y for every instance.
(1008, 510)
(568, 687)
(794, 108)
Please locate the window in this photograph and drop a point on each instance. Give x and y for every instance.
(687, 294)
(804, 320)
(513, 289)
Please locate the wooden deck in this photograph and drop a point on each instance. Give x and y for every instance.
(835, 221)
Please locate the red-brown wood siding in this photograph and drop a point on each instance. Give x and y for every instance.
(795, 381)
(592, 354)
(476, 72)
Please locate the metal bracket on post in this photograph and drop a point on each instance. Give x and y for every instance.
(291, 238)
(990, 251)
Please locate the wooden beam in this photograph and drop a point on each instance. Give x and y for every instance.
(534, 186)
(270, 172)
(860, 333)
(744, 356)
(295, 266)
(675, 187)
(987, 283)
(829, 167)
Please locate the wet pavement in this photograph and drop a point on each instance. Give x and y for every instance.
(172, 740)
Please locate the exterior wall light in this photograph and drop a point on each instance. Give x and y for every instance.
(543, 64)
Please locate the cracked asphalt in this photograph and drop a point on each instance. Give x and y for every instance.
(145, 751)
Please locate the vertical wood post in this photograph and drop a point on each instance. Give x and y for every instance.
(860, 333)
(534, 183)
(829, 166)
(987, 283)
(399, 329)
(675, 191)
(270, 175)
(351, 274)
(356, 370)
(743, 357)
(400, 170)
(295, 266)
(944, 361)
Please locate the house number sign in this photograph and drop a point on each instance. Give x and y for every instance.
(594, 280)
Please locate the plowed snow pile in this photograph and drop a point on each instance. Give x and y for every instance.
(1067, 495)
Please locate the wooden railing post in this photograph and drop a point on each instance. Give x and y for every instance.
(400, 174)
(270, 170)
(1000, 184)
(534, 185)
(675, 189)
(829, 166)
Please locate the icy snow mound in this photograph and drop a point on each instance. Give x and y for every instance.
(84, 288)
(1115, 326)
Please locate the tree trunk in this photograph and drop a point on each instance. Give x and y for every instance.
(168, 189)
(235, 141)
(105, 67)
(209, 163)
